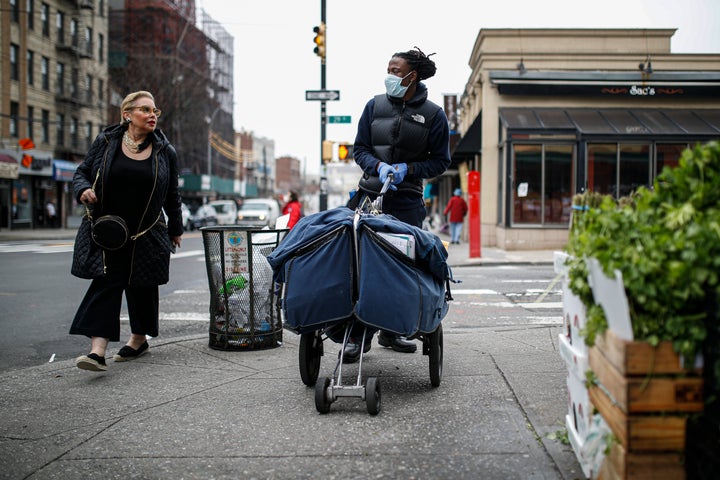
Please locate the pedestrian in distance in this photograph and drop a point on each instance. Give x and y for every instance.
(51, 214)
(293, 208)
(130, 171)
(457, 208)
(403, 133)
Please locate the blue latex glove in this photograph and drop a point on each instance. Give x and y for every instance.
(383, 171)
(399, 171)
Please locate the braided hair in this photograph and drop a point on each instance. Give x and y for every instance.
(419, 62)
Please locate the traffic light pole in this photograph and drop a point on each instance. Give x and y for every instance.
(323, 118)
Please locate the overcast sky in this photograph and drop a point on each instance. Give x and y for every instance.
(275, 63)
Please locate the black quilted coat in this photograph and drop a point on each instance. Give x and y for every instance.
(151, 250)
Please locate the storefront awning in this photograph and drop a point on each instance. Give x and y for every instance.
(616, 121)
(8, 167)
(471, 141)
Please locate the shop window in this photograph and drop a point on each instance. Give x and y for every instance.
(602, 168)
(21, 213)
(527, 184)
(634, 163)
(559, 186)
(542, 184)
(668, 155)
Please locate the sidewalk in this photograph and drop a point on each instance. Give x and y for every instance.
(186, 411)
(458, 255)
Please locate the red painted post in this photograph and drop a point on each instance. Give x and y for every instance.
(474, 214)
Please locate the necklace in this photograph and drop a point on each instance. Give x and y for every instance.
(132, 145)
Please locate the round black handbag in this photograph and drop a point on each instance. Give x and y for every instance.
(110, 232)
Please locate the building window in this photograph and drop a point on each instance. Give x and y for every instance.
(101, 48)
(101, 8)
(14, 11)
(542, 183)
(14, 120)
(634, 168)
(60, 78)
(101, 90)
(30, 14)
(88, 135)
(45, 19)
(89, 41)
(60, 129)
(74, 132)
(668, 155)
(618, 170)
(74, 33)
(88, 89)
(45, 126)
(60, 25)
(602, 168)
(74, 83)
(30, 67)
(45, 73)
(30, 120)
(14, 62)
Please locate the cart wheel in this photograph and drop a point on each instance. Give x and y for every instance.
(372, 396)
(322, 404)
(311, 349)
(436, 356)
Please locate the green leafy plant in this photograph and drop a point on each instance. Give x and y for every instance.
(666, 243)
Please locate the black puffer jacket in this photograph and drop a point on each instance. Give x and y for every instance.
(151, 251)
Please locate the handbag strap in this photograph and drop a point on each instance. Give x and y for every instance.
(87, 209)
(135, 237)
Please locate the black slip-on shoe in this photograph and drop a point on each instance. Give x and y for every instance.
(397, 343)
(92, 362)
(351, 354)
(128, 353)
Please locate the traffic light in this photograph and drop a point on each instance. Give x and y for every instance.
(345, 152)
(320, 41)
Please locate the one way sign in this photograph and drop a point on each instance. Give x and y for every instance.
(322, 94)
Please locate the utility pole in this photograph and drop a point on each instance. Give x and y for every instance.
(323, 117)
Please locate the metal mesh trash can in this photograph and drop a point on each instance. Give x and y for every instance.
(244, 314)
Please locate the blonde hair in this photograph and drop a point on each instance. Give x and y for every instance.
(128, 102)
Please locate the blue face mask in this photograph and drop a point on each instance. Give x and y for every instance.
(393, 85)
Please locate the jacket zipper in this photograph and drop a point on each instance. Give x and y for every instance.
(152, 192)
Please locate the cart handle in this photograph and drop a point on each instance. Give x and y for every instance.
(388, 182)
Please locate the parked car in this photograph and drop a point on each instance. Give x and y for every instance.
(204, 216)
(258, 212)
(226, 211)
(185, 211)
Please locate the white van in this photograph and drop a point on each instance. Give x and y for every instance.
(226, 211)
(258, 212)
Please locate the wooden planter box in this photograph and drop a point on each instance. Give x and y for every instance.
(645, 396)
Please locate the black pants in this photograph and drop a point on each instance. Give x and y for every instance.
(99, 312)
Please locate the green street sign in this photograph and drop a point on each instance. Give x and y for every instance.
(339, 119)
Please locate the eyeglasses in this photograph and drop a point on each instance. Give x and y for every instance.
(147, 110)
